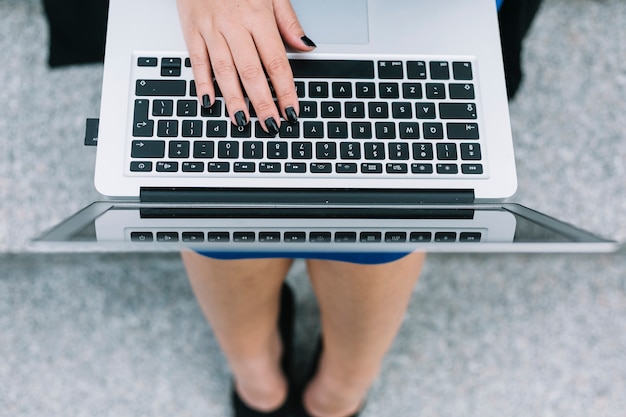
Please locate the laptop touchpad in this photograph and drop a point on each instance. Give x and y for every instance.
(334, 21)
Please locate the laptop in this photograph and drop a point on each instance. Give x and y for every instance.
(403, 137)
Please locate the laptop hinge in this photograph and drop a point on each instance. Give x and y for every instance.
(280, 196)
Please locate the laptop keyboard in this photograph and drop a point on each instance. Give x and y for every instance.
(385, 117)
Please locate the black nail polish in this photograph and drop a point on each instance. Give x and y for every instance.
(292, 117)
(206, 101)
(240, 118)
(271, 125)
(308, 42)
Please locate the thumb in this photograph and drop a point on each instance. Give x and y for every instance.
(289, 26)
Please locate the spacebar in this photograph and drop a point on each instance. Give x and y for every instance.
(332, 68)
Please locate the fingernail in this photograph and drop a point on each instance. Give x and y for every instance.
(308, 42)
(271, 126)
(292, 117)
(240, 118)
(206, 101)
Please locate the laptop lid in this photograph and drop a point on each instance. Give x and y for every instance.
(380, 31)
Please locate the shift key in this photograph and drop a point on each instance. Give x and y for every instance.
(457, 111)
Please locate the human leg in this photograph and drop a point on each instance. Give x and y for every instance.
(240, 299)
(361, 309)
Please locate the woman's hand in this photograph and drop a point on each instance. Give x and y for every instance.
(239, 41)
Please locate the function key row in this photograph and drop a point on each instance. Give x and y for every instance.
(357, 69)
(303, 236)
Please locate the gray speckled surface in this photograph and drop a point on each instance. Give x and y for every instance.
(488, 335)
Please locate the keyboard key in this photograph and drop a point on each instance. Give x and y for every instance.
(447, 169)
(300, 89)
(203, 149)
(277, 150)
(147, 62)
(433, 131)
(308, 109)
(295, 237)
(214, 111)
(219, 166)
(148, 149)
(163, 108)
(355, 110)
(163, 166)
(423, 151)
(302, 150)
(421, 168)
(193, 166)
(409, 130)
(425, 110)
(187, 108)
(218, 237)
(462, 130)
(338, 130)
(462, 91)
(398, 151)
(385, 130)
(290, 131)
(470, 152)
(346, 168)
(396, 168)
(192, 128)
(163, 88)
(398, 237)
(388, 90)
(350, 150)
(245, 167)
(345, 237)
(253, 150)
(435, 91)
(167, 128)
(472, 169)
(228, 149)
(445, 237)
(470, 237)
(365, 90)
(457, 111)
(439, 70)
(371, 168)
(179, 149)
(260, 133)
(318, 89)
(412, 91)
(274, 167)
(361, 130)
(402, 110)
(462, 70)
(420, 236)
(332, 68)
(330, 109)
(142, 126)
(416, 70)
(374, 150)
(446, 151)
(378, 110)
(321, 168)
(313, 129)
(269, 237)
(326, 150)
(295, 167)
(241, 131)
(342, 90)
(390, 70)
(141, 166)
(320, 237)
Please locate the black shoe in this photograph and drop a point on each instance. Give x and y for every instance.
(300, 411)
(285, 325)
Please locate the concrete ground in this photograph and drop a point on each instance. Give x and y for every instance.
(485, 335)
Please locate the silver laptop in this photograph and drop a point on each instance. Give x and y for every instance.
(403, 121)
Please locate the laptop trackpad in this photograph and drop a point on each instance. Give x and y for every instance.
(334, 21)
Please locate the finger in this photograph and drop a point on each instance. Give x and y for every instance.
(201, 67)
(290, 28)
(227, 78)
(253, 78)
(274, 58)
